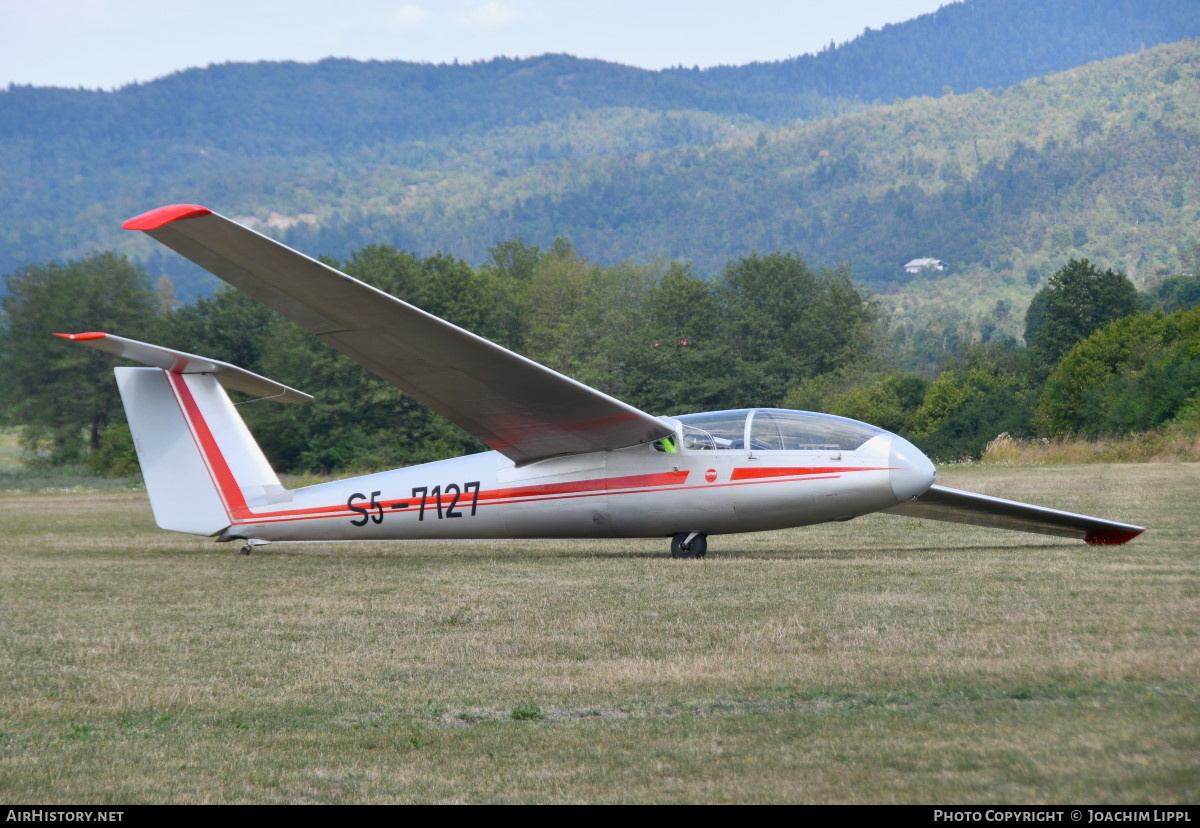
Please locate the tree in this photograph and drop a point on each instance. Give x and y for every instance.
(63, 395)
(678, 362)
(890, 402)
(511, 267)
(1132, 375)
(785, 323)
(1175, 293)
(587, 320)
(229, 326)
(984, 390)
(1078, 299)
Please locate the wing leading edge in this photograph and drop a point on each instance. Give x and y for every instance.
(956, 506)
(516, 406)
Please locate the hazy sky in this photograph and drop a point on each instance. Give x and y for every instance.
(109, 43)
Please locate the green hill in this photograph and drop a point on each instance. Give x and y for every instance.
(1005, 185)
(701, 165)
(968, 45)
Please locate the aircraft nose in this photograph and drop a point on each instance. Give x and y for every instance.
(912, 473)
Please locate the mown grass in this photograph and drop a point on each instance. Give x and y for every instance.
(884, 660)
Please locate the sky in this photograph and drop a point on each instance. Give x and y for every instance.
(105, 44)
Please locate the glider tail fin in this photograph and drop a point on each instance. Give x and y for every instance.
(203, 469)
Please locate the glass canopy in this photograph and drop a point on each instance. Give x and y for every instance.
(773, 429)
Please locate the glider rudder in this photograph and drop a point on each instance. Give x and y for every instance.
(203, 469)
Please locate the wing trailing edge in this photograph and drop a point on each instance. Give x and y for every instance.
(956, 506)
(516, 406)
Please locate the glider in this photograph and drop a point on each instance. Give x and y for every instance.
(567, 461)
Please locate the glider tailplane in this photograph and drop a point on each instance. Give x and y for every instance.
(203, 469)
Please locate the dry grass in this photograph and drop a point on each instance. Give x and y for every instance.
(1170, 445)
(884, 660)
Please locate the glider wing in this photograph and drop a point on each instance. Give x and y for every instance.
(956, 506)
(516, 406)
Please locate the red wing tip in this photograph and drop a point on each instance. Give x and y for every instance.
(79, 336)
(1112, 537)
(161, 216)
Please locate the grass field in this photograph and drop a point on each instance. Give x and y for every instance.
(883, 660)
(10, 450)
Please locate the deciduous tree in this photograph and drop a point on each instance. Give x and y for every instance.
(785, 322)
(1132, 375)
(64, 396)
(1079, 299)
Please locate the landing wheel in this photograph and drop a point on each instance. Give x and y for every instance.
(246, 550)
(681, 547)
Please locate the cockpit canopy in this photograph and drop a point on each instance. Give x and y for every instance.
(773, 429)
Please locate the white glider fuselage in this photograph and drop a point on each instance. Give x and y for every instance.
(641, 491)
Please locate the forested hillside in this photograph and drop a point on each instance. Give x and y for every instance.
(1100, 161)
(342, 153)
(966, 46)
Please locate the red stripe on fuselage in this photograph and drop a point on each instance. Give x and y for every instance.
(631, 484)
(804, 471)
(596, 484)
(507, 497)
(502, 498)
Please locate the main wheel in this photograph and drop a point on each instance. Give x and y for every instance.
(681, 547)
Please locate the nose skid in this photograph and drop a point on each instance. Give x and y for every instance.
(912, 473)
